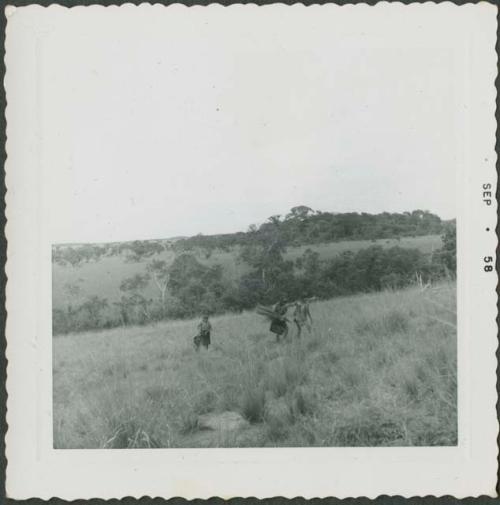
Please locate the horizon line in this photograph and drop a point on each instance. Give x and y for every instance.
(180, 237)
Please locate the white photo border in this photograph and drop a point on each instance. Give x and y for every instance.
(35, 469)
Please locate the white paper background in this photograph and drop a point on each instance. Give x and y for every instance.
(35, 469)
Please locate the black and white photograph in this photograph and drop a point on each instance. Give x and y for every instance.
(254, 227)
(278, 261)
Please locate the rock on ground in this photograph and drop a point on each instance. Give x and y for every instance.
(224, 422)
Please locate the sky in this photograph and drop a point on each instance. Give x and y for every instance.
(201, 121)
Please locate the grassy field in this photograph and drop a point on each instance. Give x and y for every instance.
(378, 370)
(103, 277)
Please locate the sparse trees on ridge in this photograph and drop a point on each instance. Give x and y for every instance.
(189, 285)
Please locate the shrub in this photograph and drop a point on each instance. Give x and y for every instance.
(252, 402)
(60, 322)
(278, 418)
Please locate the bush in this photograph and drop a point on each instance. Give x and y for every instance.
(278, 418)
(61, 323)
(252, 403)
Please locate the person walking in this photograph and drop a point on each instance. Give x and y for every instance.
(279, 324)
(204, 331)
(302, 316)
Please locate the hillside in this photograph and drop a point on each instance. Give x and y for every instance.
(303, 254)
(302, 226)
(378, 370)
(102, 277)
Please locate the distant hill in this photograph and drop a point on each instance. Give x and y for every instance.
(302, 226)
(303, 254)
(103, 277)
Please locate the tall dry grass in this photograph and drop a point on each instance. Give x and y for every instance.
(378, 369)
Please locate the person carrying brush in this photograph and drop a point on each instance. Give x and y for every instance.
(279, 324)
(277, 316)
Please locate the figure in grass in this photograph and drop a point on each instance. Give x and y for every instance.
(302, 316)
(203, 336)
(277, 316)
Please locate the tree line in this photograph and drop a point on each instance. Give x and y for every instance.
(301, 226)
(186, 288)
(305, 226)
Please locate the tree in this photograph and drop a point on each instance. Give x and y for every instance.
(275, 219)
(138, 250)
(450, 248)
(159, 272)
(133, 302)
(65, 319)
(301, 213)
(183, 270)
(72, 256)
(446, 256)
(92, 309)
(271, 276)
(73, 291)
(135, 283)
(311, 272)
(197, 287)
(303, 225)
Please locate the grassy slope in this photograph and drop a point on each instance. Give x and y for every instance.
(379, 369)
(103, 278)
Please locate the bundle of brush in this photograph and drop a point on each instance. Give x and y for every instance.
(269, 313)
